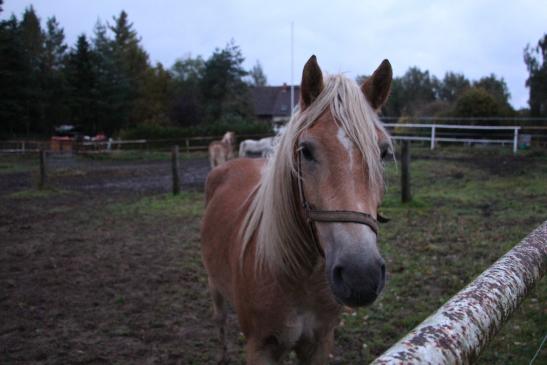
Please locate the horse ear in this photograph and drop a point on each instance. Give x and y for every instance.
(312, 83)
(376, 88)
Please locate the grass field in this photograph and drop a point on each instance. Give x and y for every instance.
(118, 278)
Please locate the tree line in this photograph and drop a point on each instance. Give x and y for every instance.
(417, 93)
(106, 83)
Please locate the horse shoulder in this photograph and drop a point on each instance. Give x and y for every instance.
(235, 177)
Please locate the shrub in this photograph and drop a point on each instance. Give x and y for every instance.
(477, 102)
(234, 123)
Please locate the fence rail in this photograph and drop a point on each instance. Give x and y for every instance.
(432, 133)
(461, 328)
(434, 139)
(187, 144)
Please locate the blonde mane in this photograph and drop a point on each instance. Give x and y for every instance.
(283, 244)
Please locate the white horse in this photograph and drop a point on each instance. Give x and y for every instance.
(263, 147)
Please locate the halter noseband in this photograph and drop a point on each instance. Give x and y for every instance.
(332, 216)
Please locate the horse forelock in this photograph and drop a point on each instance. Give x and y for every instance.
(283, 244)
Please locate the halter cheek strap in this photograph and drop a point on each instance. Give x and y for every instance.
(332, 216)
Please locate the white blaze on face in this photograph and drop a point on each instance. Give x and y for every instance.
(348, 145)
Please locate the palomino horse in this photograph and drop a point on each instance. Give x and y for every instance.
(223, 150)
(290, 240)
(263, 147)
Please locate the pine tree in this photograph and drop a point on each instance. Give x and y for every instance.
(12, 71)
(258, 78)
(32, 43)
(225, 93)
(535, 59)
(131, 63)
(107, 117)
(53, 77)
(81, 75)
(186, 100)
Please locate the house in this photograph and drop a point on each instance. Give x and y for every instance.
(273, 103)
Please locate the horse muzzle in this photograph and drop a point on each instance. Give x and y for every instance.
(356, 280)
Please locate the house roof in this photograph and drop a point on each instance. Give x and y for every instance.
(274, 101)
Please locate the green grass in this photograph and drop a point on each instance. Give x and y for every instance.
(10, 164)
(37, 193)
(139, 155)
(186, 205)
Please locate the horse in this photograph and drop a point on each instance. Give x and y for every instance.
(290, 240)
(223, 150)
(263, 147)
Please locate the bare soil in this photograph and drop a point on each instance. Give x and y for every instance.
(80, 285)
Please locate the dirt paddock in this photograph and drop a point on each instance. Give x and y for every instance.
(84, 281)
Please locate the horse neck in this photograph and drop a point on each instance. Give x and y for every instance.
(227, 143)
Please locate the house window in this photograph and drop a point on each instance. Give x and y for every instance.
(284, 107)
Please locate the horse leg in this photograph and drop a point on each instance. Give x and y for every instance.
(266, 352)
(219, 317)
(315, 351)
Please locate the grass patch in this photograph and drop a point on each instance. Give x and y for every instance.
(10, 164)
(186, 204)
(466, 213)
(139, 155)
(127, 155)
(37, 193)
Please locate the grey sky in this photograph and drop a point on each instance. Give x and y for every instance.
(473, 37)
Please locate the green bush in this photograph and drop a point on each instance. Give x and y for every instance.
(234, 123)
(477, 103)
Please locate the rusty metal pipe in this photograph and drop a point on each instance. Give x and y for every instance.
(462, 327)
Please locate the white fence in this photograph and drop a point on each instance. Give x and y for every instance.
(433, 139)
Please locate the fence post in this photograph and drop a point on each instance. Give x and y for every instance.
(515, 141)
(43, 173)
(175, 169)
(405, 172)
(187, 141)
(432, 137)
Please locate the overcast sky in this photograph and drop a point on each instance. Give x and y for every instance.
(473, 37)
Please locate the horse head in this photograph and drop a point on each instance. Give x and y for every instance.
(339, 167)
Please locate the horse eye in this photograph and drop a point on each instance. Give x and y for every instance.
(306, 152)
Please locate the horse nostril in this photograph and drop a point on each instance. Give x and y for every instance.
(337, 275)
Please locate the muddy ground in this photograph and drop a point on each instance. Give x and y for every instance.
(80, 285)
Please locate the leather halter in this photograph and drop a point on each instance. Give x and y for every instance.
(331, 216)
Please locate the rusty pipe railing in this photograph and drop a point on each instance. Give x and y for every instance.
(462, 327)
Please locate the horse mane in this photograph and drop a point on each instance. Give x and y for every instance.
(283, 244)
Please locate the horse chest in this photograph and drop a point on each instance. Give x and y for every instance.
(300, 325)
